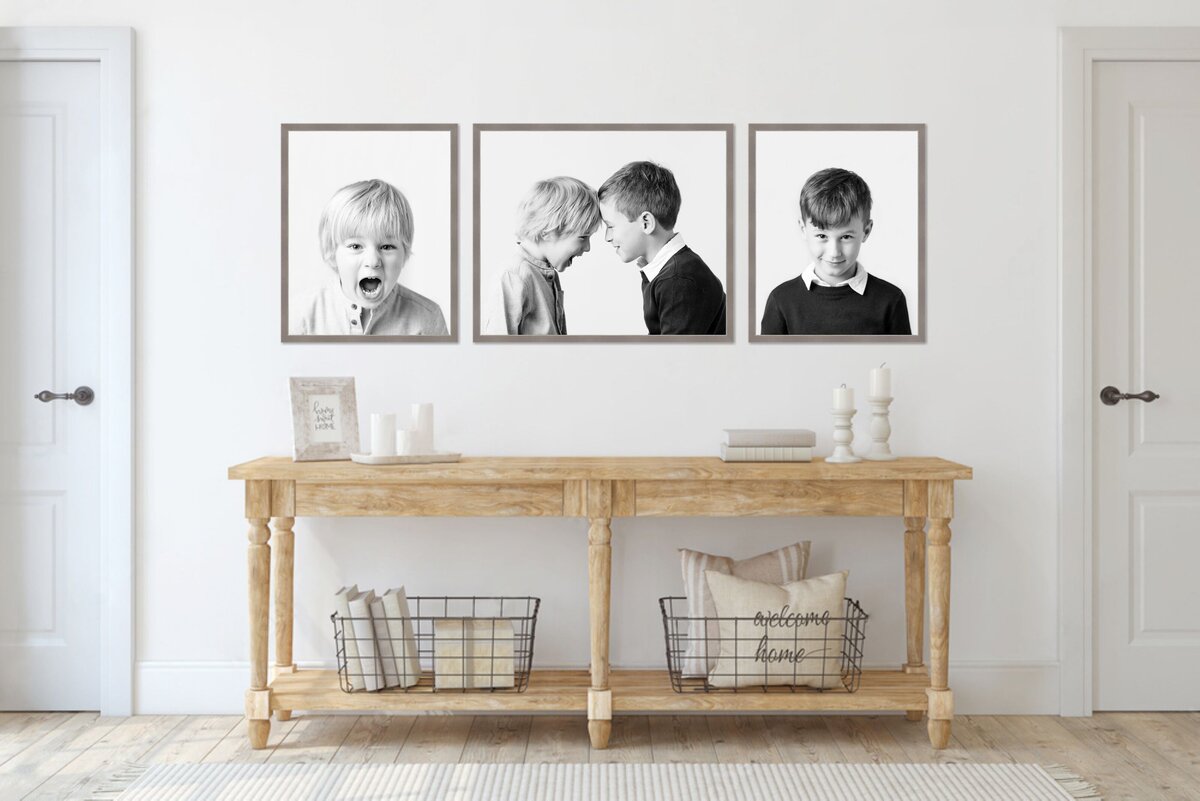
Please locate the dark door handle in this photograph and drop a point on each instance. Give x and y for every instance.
(1111, 396)
(82, 395)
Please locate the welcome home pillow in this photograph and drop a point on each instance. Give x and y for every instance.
(779, 635)
(780, 566)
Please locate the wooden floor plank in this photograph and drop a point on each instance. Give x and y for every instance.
(314, 739)
(191, 741)
(978, 739)
(1168, 733)
(681, 738)
(742, 738)
(1126, 755)
(125, 743)
(497, 738)
(1145, 766)
(436, 738)
(235, 745)
(803, 738)
(629, 742)
(865, 738)
(19, 730)
(1047, 742)
(56, 749)
(558, 739)
(375, 738)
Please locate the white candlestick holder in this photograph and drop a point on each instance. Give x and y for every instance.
(842, 437)
(881, 429)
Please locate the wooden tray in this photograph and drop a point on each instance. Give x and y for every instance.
(414, 458)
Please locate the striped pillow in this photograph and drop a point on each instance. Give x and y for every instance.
(780, 566)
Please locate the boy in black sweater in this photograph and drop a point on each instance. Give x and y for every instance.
(639, 205)
(834, 294)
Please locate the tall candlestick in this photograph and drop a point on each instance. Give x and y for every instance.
(881, 429)
(881, 382)
(842, 437)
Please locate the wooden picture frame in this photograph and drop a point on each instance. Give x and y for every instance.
(890, 158)
(320, 163)
(601, 292)
(324, 419)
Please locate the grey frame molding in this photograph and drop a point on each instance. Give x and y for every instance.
(730, 316)
(287, 128)
(914, 339)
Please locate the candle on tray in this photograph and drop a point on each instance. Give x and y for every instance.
(383, 434)
(406, 442)
(843, 397)
(422, 422)
(881, 381)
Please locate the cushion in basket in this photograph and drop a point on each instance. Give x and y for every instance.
(780, 566)
(783, 635)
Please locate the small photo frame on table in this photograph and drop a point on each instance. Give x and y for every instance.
(369, 237)
(528, 174)
(324, 419)
(888, 304)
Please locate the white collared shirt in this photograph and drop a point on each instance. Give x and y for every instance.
(654, 267)
(857, 282)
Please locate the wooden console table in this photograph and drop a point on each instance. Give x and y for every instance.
(599, 489)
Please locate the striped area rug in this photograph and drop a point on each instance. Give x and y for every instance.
(616, 782)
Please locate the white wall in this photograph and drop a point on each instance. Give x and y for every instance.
(215, 80)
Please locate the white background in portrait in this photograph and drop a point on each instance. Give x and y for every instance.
(886, 160)
(415, 162)
(602, 294)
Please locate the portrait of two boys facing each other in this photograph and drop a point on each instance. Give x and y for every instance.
(366, 235)
(835, 294)
(638, 206)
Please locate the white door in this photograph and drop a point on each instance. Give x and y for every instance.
(49, 340)
(1146, 180)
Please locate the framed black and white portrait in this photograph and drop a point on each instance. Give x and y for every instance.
(369, 233)
(592, 233)
(837, 233)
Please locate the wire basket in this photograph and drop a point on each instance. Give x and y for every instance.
(446, 644)
(735, 654)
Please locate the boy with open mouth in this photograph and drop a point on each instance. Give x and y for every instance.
(366, 233)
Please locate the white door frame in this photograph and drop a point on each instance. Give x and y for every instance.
(1080, 49)
(112, 48)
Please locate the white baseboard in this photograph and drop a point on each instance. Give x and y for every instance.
(217, 688)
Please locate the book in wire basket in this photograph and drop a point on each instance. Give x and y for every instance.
(447, 644)
(775, 651)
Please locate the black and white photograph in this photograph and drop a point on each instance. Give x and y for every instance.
(603, 233)
(837, 233)
(369, 233)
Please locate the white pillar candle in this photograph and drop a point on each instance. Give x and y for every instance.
(843, 397)
(383, 434)
(881, 382)
(422, 423)
(406, 442)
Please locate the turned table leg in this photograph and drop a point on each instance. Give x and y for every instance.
(284, 545)
(258, 697)
(599, 588)
(941, 699)
(916, 502)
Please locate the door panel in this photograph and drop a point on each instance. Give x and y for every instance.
(50, 334)
(1146, 179)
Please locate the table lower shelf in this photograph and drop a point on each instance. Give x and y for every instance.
(632, 691)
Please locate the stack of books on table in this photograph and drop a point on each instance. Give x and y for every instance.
(768, 445)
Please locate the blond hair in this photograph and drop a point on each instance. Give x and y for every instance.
(558, 207)
(365, 207)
